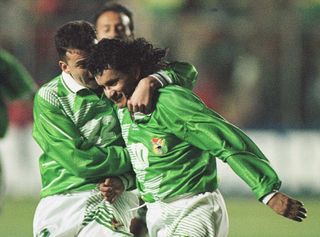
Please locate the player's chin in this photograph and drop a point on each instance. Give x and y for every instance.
(91, 84)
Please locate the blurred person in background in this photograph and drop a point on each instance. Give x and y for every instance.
(15, 83)
(114, 21)
(79, 134)
(173, 149)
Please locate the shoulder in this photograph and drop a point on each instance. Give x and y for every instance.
(49, 91)
(178, 101)
(181, 101)
(176, 94)
(177, 65)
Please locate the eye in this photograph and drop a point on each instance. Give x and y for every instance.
(113, 83)
(82, 64)
(107, 29)
(120, 27)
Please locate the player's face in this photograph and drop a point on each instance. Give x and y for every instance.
(75, 66)
(113, 25)
(117, 86)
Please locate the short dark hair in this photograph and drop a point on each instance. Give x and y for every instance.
(115, 7)
(123, 54)
(74, 35)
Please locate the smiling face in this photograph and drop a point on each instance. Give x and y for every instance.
(118, 86)
(74, 65)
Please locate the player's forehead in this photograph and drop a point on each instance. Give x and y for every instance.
(75, 55)
(113, 17)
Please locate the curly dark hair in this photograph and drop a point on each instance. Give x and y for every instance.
(74, 35)
(123, 54)
(115, 7)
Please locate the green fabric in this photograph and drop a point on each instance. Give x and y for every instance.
(15, 83)
(182, 74)
(80, 136)
(173, 149)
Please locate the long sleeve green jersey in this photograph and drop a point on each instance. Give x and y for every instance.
(173, 150)
(15, 83)
(79, 134)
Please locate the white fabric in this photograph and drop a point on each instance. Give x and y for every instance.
(202, 215)
(63, 215)
(267, 198)
(71, 83)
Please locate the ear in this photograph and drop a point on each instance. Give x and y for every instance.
(64, 66)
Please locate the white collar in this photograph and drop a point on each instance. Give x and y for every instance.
(71, 83)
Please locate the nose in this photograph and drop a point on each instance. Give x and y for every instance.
(109, 93)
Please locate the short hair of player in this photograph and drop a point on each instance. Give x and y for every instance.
(115, 7)
(74, 35)
(122, 55)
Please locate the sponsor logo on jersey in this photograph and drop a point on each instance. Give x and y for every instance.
(159, 146)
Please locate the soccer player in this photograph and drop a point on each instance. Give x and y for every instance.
(15, 83)
(114, 21)
(79, 133)
(173, 149)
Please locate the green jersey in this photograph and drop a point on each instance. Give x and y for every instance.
(80, 135)
(15, 83)
(173, 150)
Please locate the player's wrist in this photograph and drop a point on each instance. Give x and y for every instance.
(162, 78)
(265, 199)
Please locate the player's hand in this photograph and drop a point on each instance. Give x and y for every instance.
(111, 188)
(141, 99)
(287, 207)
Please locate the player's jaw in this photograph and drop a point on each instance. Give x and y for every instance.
(118, 97)
(90, 83)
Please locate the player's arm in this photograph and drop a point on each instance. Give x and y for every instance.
(208, 131)
(16, 80)
(178, 73)
(60, 139)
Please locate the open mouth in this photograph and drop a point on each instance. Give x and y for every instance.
(119, 98)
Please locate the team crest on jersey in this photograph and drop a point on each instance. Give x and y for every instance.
(159, 146)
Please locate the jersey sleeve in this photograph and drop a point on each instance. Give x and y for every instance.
(15, 80)
(178, 73)
(189, 119)
(61, 141)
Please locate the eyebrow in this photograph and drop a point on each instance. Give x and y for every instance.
(111, 81)
(81, 62)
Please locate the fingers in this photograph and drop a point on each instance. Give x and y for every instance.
(108, 182)
(110, 195)
(295, 210)
(111, 189)
(299, 216)
(288, 207)
(133, 107)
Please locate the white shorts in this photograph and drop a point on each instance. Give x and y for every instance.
(202, 215)
(84, 214)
